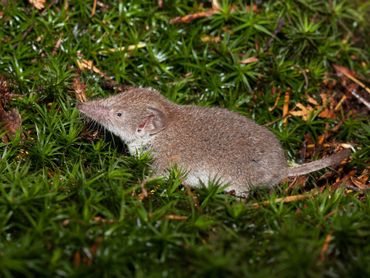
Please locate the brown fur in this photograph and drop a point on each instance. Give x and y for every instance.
(208, 143)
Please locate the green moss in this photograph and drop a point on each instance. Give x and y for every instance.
(69, 205)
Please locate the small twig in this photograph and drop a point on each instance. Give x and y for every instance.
(361, 99)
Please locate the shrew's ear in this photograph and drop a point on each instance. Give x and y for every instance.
(154, 122)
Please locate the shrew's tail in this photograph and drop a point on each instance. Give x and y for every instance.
(318, 164)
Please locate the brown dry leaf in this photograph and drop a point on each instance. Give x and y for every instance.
(176, 217)
(80, 90)
(297, 182)
(312, 101)
(304, 111)
(362, 182)
(327, 114)
(84, 64)
(249, 60)
(38, 4)
(327, 108)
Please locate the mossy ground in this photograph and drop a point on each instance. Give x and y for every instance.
(70, 202)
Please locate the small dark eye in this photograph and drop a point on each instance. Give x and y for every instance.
(119, 114)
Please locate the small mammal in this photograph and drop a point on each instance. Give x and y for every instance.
(208, 143)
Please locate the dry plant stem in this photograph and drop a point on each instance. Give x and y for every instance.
(287, 199)
(339, 105)
(286, 106)
(93, 8)
(354, 79)
(276, 101)
(325, 247)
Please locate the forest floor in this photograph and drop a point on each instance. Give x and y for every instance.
(72, 200)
